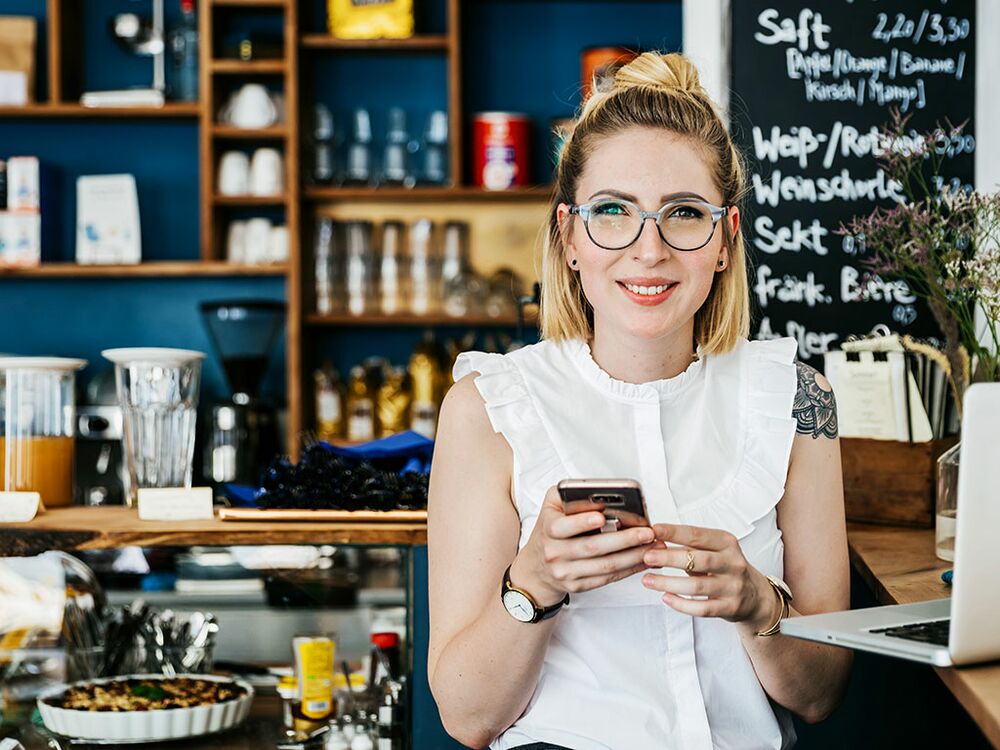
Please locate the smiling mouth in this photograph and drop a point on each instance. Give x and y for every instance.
(648, 290)
(648, 294)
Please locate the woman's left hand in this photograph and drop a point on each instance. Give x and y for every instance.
(716, 569)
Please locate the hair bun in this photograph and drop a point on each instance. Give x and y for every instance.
(669, 72)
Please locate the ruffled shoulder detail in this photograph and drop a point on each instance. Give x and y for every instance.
(513, 413)
(768, 381)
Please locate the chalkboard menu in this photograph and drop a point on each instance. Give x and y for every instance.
(811, 87)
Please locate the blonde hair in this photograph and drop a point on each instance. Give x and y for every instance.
(656, 91)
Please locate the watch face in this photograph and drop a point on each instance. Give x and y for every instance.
(518, 606)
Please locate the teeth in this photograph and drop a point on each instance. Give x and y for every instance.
(647, 290)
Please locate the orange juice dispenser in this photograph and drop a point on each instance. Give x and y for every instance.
(37, 417)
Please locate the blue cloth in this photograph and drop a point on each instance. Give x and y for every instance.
(402, 444)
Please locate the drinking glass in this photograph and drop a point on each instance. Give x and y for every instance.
(158, 395)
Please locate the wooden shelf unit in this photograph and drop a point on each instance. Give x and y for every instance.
(217, 77)
(216, 138)
(318, 200)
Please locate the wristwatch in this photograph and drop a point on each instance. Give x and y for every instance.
(521, 605)
(784, 595)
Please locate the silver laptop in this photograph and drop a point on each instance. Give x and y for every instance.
(943, 632)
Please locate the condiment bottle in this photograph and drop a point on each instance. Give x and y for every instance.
(314, 672)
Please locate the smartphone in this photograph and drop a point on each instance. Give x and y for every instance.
(620, 500)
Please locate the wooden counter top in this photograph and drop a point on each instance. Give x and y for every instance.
(900, 567)
(82, 528)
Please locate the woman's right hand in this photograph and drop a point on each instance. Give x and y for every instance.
(556, 560)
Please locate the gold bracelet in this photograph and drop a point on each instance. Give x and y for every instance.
(782, 614)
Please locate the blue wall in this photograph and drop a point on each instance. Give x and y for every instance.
(73, 318)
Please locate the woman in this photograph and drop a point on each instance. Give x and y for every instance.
(669, 635)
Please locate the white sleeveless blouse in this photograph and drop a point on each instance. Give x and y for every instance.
(710, 447)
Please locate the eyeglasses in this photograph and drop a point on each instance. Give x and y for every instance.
(615, 223)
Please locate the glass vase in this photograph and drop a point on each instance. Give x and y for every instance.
(947, 502)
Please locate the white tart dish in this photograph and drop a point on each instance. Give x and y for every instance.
(145, 726)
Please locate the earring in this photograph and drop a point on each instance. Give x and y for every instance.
(573, 262)
(722, 264)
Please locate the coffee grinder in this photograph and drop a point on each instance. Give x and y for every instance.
(242, 435)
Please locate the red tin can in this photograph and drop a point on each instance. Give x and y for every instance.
(501, 150)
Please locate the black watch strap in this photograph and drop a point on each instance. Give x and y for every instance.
(541, 613)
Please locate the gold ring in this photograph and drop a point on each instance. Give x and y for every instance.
(690, 562)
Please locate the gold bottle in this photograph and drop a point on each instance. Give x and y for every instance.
(428, 387)
(360, 407)
(393, 405)
(330, 406)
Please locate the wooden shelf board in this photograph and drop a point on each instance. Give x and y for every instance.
(248, 67)
(251, 3)
(62, 109)
(418, 43)
(249, 200)
(152, 269)
(900, 567)
(233, 132)
(539, 193)
(79, 528)
(413, 320)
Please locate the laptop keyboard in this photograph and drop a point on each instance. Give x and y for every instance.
(934, 633)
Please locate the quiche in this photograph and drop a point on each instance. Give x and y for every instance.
(146, 694)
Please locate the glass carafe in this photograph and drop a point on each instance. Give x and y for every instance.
(37, 417)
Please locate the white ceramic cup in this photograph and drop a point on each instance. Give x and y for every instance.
(236, 242)
(234, 173)
(252, 107)
(266, 172)
(258, 240)
(277, 251)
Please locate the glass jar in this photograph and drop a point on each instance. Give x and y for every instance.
(360, 267)
(37, 417)
(947, 503)
(425, 296)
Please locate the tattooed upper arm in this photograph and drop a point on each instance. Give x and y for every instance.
(815, 408)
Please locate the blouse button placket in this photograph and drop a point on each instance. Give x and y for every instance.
(681, 668)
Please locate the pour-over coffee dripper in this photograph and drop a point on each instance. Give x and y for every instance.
(243, 432)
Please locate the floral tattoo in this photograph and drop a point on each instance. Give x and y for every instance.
(814, 408)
